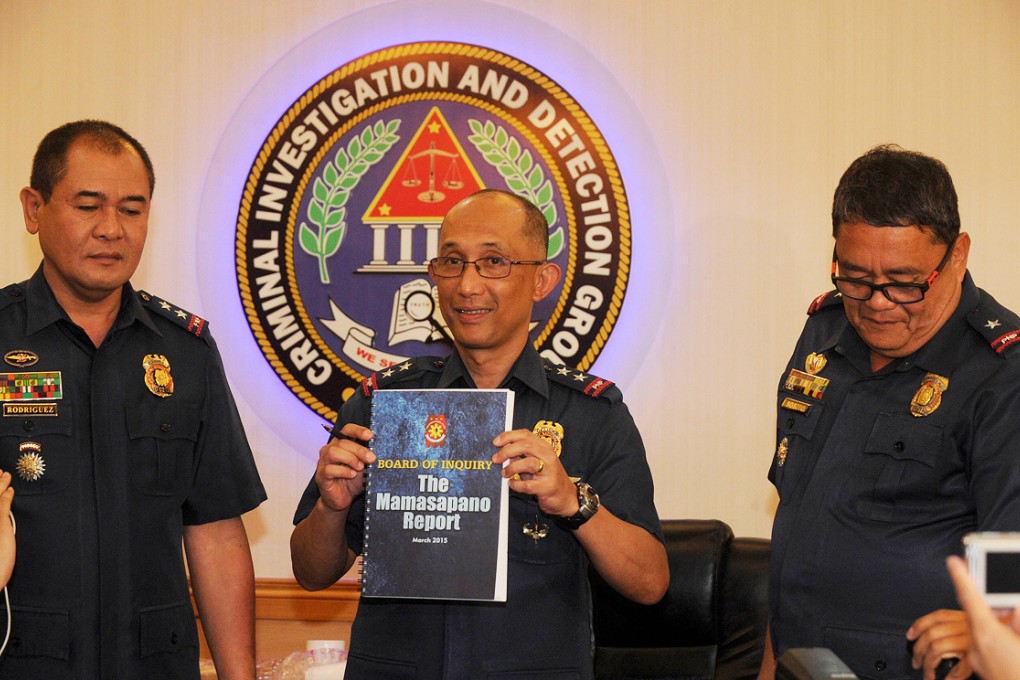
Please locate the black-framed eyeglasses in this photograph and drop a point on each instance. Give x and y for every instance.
(900, 293)
(487, 267)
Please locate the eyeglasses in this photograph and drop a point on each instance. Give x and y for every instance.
(487, 267)
(900, 293)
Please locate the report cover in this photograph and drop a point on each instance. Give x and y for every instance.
(436, 506)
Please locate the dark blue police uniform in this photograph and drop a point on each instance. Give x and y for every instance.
(543, 630)
(112, 451)
(881, 474)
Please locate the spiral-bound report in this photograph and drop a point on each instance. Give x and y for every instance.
(436, 507)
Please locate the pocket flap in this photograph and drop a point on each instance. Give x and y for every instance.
(168, 628)
(162, 421)
(39, 632)
(905, 439)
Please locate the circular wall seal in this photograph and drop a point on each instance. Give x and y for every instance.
(341, 210)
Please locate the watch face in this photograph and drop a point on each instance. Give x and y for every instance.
(587, 499)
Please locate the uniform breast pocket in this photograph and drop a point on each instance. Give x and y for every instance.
(38, 452)
(899, 473)
(795, 428)
(161, 446)
(553, 545)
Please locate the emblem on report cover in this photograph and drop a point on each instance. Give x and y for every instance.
(157, 375)
(30, 466)
(342, 207)
(929, 396)
(435, 430)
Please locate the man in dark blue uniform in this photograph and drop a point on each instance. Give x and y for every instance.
(898, 430)
(567, 424)
(123, 439)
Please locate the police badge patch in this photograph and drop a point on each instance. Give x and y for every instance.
(342, 208)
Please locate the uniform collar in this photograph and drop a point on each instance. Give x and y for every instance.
(938, 354)
(935, 356)
(528, 370)
(42, 308)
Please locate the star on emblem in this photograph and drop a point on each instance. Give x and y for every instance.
(433, 127)
(384, 210)
(993, 324)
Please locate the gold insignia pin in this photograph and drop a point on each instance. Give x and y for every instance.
(551, 432)
(157, 375)
(929, 395)
(782, 450)
(30, 466)
(536, 531)
(814, 363)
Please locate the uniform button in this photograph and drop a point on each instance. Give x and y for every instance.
(438, 363)
(173, 638)
(15, 641)
(789, 422)
(16, 292)
(880, 665)
(899, 446)
(165, 427)
(28, 425)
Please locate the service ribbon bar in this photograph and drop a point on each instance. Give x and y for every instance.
(30, 386)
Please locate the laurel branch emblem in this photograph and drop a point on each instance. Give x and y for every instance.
(520, 172)
(327, 209)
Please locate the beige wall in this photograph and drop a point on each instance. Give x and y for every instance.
(756, 107)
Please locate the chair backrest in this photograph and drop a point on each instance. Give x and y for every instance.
(709, 626)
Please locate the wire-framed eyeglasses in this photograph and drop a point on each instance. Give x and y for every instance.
(487, 267)
(900, 293)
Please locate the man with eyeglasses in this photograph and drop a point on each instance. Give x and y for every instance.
(898, 431)
(572, 435)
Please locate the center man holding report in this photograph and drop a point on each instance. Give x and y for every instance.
(580, 487)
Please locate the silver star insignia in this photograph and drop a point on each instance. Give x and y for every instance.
(182, 314)
(580, 376)
(563, 370)
(387, 373)
(993, 324)
(405, 366)
(164, 304)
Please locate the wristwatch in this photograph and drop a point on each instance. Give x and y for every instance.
(588, 502)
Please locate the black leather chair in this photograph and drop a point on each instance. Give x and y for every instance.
(709, 626)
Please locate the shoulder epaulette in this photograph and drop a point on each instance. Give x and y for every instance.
(195, 325)
(411, 368)
(998, 325)
(589, 384)
(828, 299)
(11, 293)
